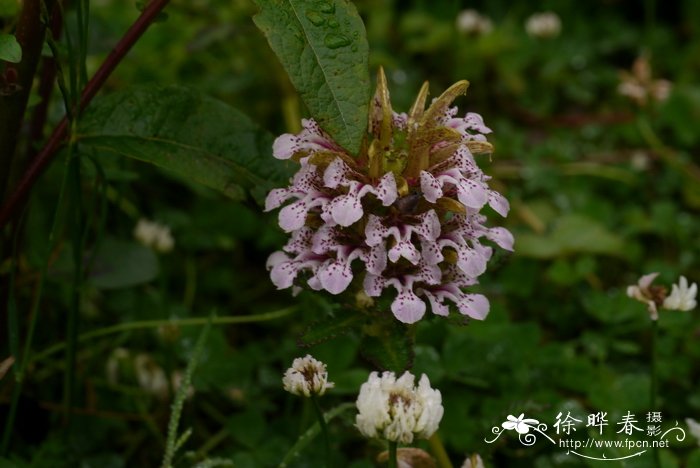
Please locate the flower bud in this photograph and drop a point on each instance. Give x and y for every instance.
(307, 377)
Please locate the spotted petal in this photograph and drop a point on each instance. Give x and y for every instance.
(335, 276)
(430, 186)
(499, 203)
(475, 306)
(346, 209)
(502, 237)
(407, 307)
(386, 191)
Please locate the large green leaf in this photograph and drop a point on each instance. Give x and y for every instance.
(323, 46)
(179, 129)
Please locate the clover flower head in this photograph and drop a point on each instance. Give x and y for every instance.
(474, 461)
(307, 376)
(644, 291)
(154, 235)
(544, 25)
(407, 209)
(682, 297)
(472, 22)
(396, 410)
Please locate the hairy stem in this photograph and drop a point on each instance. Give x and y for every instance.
(37, 166)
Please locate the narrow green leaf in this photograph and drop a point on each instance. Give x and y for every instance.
(178, 129)
(323, 46)
(10, 50)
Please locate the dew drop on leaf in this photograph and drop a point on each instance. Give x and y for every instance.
(335, 41)
(315, 18)
(326, 7)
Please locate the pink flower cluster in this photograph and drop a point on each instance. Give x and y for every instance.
(405, 214)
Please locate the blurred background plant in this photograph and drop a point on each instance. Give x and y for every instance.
(598, 157)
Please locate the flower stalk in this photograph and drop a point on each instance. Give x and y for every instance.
(392, 454)
(324, 428)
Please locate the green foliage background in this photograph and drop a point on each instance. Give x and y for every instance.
(602, 191)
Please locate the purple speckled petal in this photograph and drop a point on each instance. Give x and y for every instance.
(430, 186)
(285, 146)
(375, 231)
(283, 274)
(376, 259)
(429, 227)
(436, 304)
(499, 203)
(386, 189)
(431, 252)
(407, 307)
(293, 217)
(475, 306)
(502, 237)
(325, 240)
(335, 276)
(373, 285)
(276, 197)
(404, 249)
(346, 209)
(276, 258)
(300, 240)
(471, 193)
(336, 174)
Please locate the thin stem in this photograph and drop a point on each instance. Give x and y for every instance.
(439, 451)
(392, 454)
(145, 324)
(149, 14)
(324, 428)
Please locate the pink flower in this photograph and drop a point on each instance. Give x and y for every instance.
(402, 218)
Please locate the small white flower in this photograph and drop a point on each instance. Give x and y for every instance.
(307, 377)
(154, 235)
(642, 291)
(694, 427)
(474, 461)
(682, 297)
(543, 25)
(472, 22)
(151, 376)
(397, 410)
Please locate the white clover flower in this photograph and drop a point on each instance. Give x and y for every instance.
(644, 292)
(154, 235)
(408, 208)
(543, 25)
(307, 377)
(694, 427)
(150, 376)
(682, 297)
(395, 410)
(472, 22)
(639, 85)
(474, 461)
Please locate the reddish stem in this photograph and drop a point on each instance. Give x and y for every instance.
(39, 164)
